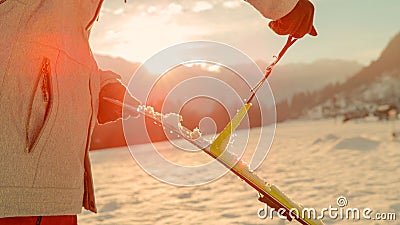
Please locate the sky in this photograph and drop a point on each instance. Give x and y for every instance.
(356, 30)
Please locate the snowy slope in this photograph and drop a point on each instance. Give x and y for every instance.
(313, 162)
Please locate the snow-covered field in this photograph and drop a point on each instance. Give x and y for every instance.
(313, 162)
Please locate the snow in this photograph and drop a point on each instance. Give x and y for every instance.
(149, 110)
(195, 134)
(313, 162)
(172, 120)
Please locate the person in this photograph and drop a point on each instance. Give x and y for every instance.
(289, 17)
(51, 97)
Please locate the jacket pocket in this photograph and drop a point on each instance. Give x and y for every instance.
(40, 106)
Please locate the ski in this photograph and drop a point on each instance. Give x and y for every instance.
(269, 193)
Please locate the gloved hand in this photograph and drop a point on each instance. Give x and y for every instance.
(298, 22)
(110, 112)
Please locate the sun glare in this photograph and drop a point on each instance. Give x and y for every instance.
(138, 36)
(207, 66)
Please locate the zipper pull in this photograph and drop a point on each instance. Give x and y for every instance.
(45, 79)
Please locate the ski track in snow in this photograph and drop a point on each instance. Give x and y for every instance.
(313, 162)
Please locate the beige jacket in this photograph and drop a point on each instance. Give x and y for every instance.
(49, 87)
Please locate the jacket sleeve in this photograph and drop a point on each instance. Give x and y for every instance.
(110, 86)
(108, 77)
(273, 9)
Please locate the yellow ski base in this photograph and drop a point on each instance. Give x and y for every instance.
(220, 143)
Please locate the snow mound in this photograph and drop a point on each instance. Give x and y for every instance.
(327, 138)
(357, 143)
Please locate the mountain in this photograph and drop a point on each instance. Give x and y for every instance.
(290, 79)
(111, 134)
(300, 77)
(388, 64)
(374, 85)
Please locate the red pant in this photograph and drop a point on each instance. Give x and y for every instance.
(43, 220)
